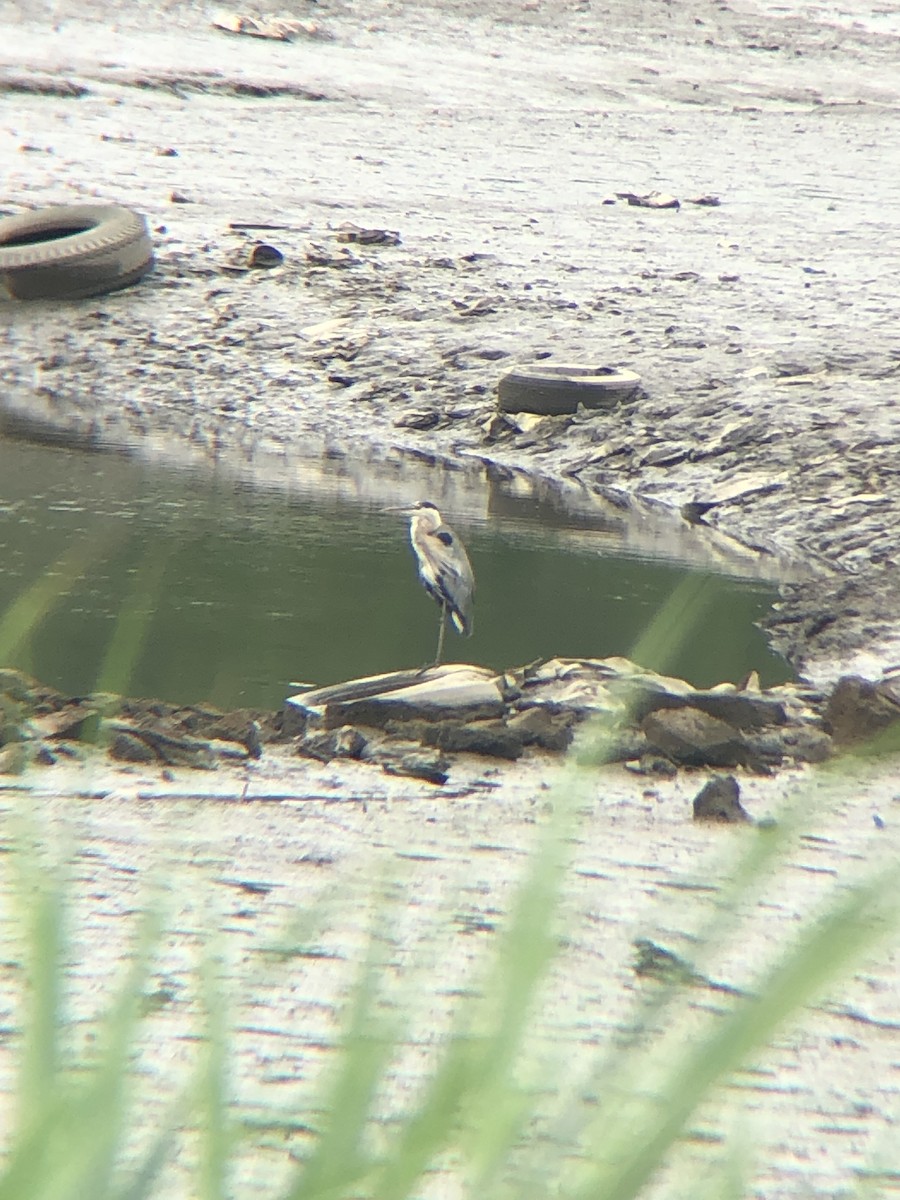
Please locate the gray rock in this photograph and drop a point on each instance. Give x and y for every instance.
(694, 738)
(327, 744)
(720, 800)
(540, 726)
(491, 738)
(863, 714)
(456, 690)
(433, 768)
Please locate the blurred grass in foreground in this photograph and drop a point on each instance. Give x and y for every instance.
(482, 1108)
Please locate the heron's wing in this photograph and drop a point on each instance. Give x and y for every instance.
(447, 574)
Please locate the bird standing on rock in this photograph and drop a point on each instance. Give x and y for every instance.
(444, 568)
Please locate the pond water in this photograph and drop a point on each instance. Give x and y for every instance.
(188, 586)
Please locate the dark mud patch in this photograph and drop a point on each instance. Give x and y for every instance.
(41, 85)
(215, 84)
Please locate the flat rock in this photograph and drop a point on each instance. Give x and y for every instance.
(694, 738)
(458, 690)
(495, 739)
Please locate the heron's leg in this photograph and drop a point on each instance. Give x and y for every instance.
(440, 645)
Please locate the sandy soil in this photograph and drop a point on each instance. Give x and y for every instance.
(764, 332)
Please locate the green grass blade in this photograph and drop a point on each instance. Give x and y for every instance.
(143, 1178)
(339, 1158)
(42, 912)
(824, 951)
(212, 1092)
(30, 608)
(428, 1131)
(134, 620)
(69, 1142)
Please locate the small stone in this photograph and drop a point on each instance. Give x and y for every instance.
(720, 800)
(125, 747)
(417, 418)
(345, 742)
(430, 767)
(264, 255)
(653, 764)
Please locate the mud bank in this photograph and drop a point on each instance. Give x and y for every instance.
(763, 328)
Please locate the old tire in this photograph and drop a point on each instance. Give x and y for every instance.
(561, 387)
(69, 251)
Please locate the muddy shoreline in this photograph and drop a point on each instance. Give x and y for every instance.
(762, 328)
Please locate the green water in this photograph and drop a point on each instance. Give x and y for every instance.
(154, 582)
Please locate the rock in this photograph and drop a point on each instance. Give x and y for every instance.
(174, 751)
(491, 738)
(656, 765)
(430, 767)
(292, 720)
(807, 744)
(13, 719)
(644, 695)
(650, 199)
(68, 722)
(348, 232)
(720, 800)
(17, 685)
(656, 962)
(265, 256)
(418, 418)
(864, 714)
(541, 726)
(13, 758)
(126, 747)
(455, 690)
(694, 738)
(345, 742)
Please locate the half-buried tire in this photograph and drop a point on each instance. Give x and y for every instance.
(561, 387)
(70, 251)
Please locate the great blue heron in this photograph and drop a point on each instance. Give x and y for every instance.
(444, 568)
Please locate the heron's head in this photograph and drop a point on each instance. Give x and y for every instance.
(423, 514)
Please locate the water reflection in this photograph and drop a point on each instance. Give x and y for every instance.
(127, 576)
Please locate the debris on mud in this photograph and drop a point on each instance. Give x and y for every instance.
(414, 722)
(650, 200)
(274, 29)
(39, 724)
(638, 715)
(349, 232)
